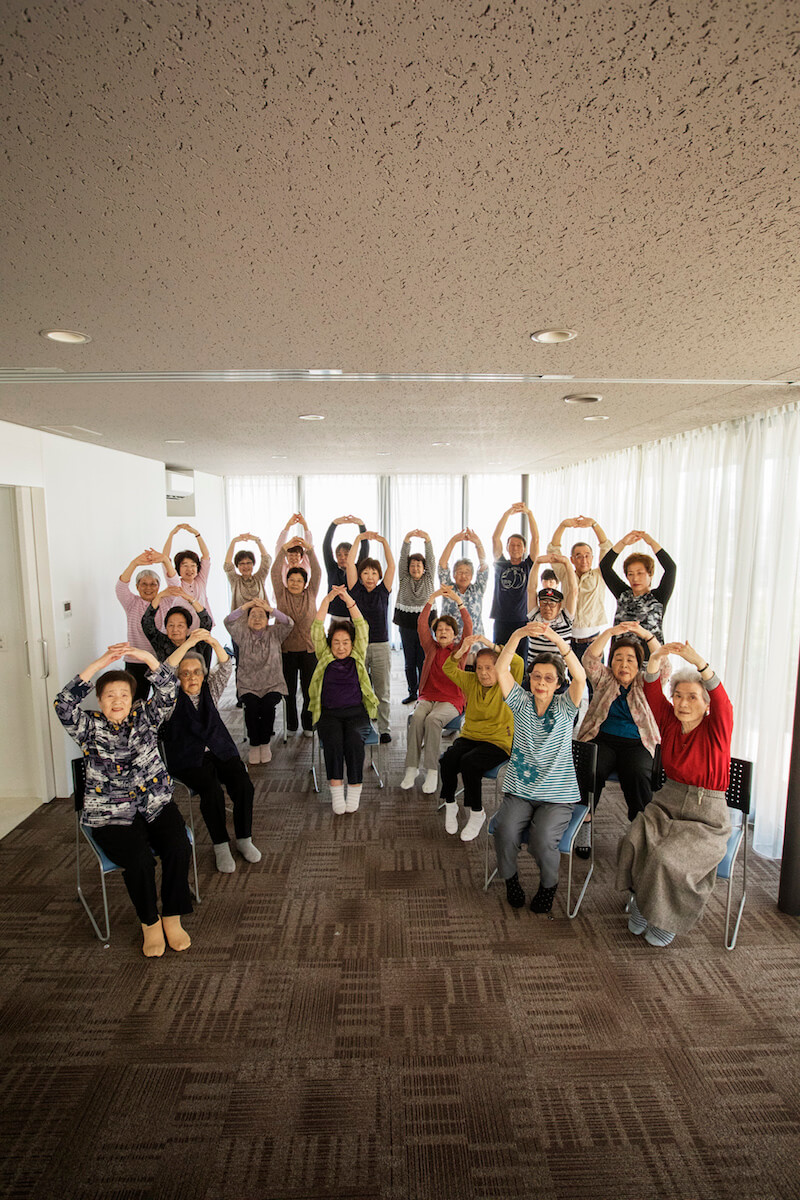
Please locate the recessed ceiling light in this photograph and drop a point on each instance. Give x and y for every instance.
(440, 443)
(583, 398)
(598, 418)
(383, 453)
(324, 371)
(70, 336)
(174, 442)
(312, 417)
(547, 336)
(278, 456)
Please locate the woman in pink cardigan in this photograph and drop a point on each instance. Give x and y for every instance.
(440, 700)
(619, 719)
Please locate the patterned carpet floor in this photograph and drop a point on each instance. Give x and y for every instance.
(358, 1019)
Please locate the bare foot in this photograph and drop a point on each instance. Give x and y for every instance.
(153, 940)
(175, 934)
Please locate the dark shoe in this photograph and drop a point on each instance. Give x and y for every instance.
(385, 737)
(408, 700)
(542, 902)
(514, 893)
(583, 851)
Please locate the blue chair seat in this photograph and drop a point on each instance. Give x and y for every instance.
(726, 866)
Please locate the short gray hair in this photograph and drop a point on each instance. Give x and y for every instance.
(146, 575)
(464, 562)
(689, 676)
(195, 654)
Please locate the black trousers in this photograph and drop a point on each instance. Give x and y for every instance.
(139, 672)
(469, 759)
(632, 762)
(414, 657)
(503, 631)
(343, 732)
(133, 846)
(208, 780)
(298, 664)
(259, 716)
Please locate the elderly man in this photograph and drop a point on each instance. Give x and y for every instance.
(469, 590)
(590, 614)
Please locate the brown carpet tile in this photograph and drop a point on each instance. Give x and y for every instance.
(357, 1019)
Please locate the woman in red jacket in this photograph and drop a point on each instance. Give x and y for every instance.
(668, 859)
(440, 700)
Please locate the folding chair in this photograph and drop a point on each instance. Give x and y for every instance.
(738, 798)
(317, 761)
(584, 756)
(104, 863)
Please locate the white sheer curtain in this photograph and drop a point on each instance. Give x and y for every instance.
(725, 502)
(260, 504)
(328, 496)
(488, 497)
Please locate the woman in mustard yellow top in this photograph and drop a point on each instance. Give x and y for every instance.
(486, 735)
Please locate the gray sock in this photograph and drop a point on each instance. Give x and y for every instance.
(222, 853)
(247, 850)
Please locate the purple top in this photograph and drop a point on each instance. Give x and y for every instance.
(340, 685)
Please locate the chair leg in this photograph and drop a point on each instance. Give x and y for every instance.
(573, 912)
(313, 768)
(372, 764)
(103, 937)
(730, 941)
(285, 721)
(194, 847)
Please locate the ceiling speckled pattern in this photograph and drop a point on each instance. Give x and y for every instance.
(398, 188)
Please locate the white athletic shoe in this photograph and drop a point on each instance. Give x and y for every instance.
(451, 817)
(409, 778)
(473, 826)
(431, 781)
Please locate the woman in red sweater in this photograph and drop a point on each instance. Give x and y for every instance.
(668, 858)
(440, 700)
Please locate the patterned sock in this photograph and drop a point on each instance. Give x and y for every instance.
(225, 863)
(542, 902)
(247, 850)
(353, 797)
(514, 893)
(636, 922)
(657, 937)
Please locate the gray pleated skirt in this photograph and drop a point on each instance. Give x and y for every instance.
(669, 856)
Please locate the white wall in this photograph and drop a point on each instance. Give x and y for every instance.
(16, 710)
(103, 508)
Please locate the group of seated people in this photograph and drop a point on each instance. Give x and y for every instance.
(513, 700)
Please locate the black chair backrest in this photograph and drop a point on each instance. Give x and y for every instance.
(78, 782)
(584, 756)
(740, 786)
(658, 776)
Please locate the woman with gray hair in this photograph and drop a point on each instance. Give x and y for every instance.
(147, 586)
(668, 859)
(200, 752)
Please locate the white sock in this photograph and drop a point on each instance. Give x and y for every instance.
(408, 779)
(247, 850)
(353, 797)
(473, 825)
(431, 781)
(337, 798)
(222, 853)
(451, 816)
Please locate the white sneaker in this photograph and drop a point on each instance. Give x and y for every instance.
(451, 817)
(409, 778)
(431, 781)
(308, 733)
(266, 753)
(473, 826)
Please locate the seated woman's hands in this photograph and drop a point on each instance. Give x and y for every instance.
(257, 603)
(341, 591)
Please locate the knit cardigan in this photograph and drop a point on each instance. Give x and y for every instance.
(325, 658)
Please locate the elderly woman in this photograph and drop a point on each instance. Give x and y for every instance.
(638, 600)
(260, 676)
(619, 720)
(414, 583)
(486, 735)
(341, 699)
(371, 594)
(668, 859)
(191, 569)
(200, 752)
(128, 802)
(147, 585)
(440, 700)
(335, 559)
(469, 590)
(177, 627)
(297, 597)
(246, 582)
(541, 789)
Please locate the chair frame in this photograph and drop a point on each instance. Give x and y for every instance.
(737, 796)
(584, 757)
(317, 767)
(106, 865)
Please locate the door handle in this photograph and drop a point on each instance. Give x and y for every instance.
(28, 659)
(45, 659)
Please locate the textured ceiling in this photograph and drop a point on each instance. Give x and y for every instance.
(398, 188)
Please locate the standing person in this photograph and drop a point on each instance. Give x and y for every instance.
(342, 700)
(590, 612)
(246, 582)
(638, 600)
(668, 859)
(509, 606)
(541, 789)
(371, 594)
(176, 623)
(295, 554)
(128, 800)
(468, 588)
(335, 560)
(415, 581)
(200, 751)
(440, 700)
(260, 676)
(486, 735)
(147, 586)
(191, 571)
(297, 597)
